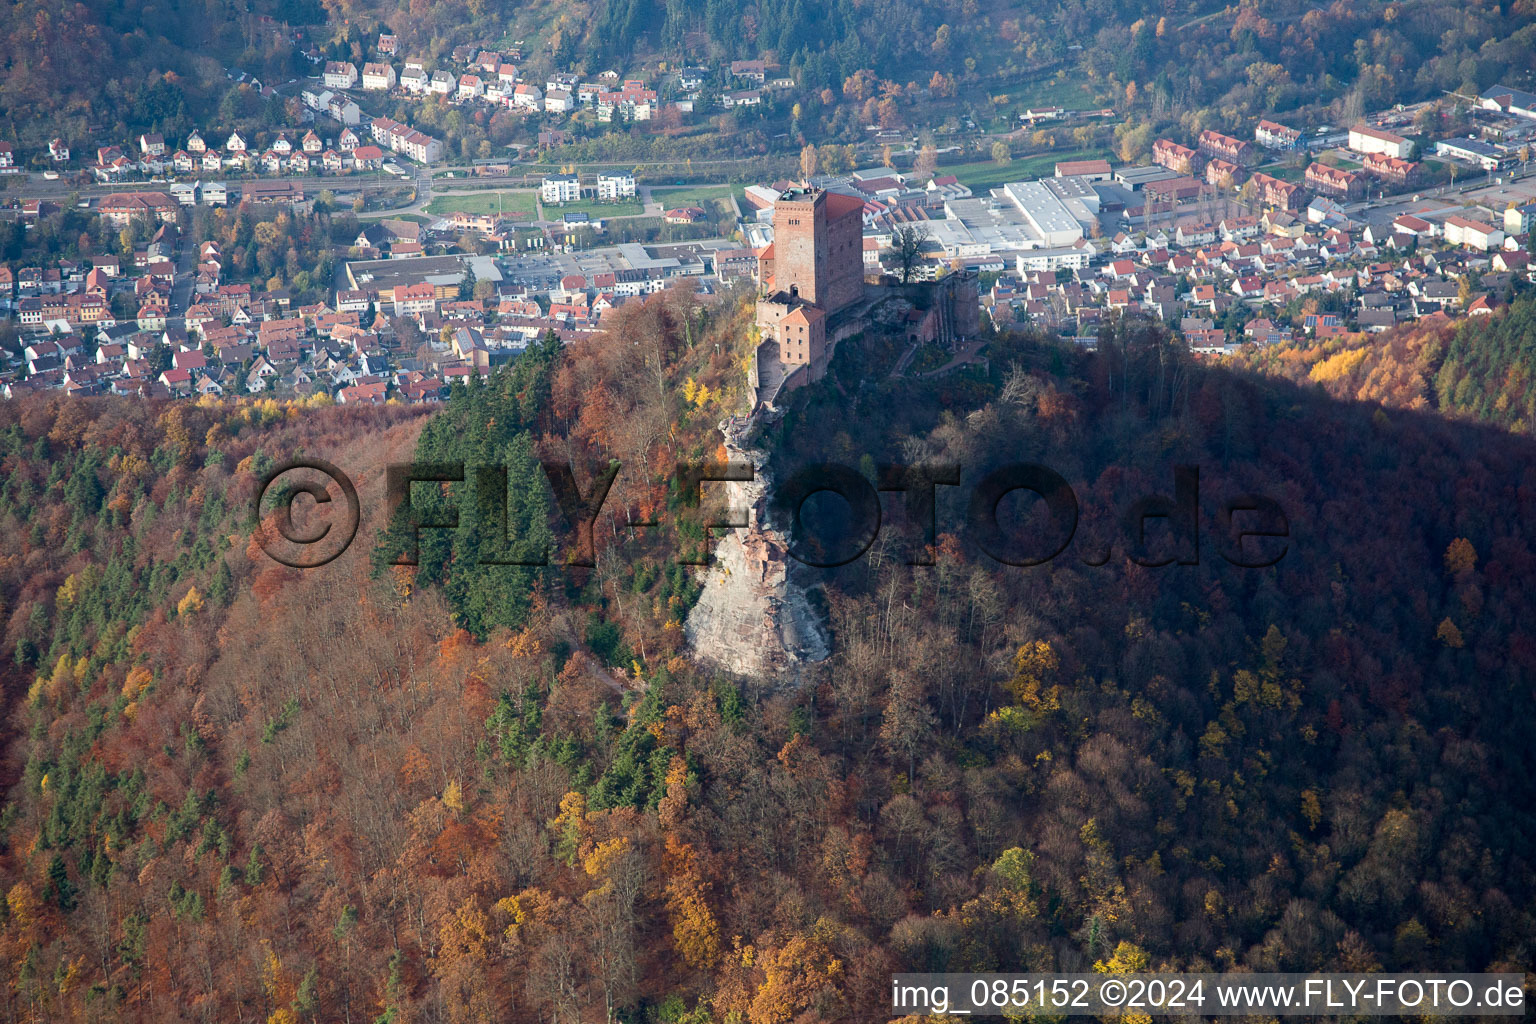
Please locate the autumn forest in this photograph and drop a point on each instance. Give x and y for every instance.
(237, 791)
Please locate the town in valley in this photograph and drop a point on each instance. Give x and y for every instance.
(420, 268)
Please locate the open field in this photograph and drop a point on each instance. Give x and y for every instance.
(671, 198)
(507, 201)
(594, 208)
(987, 174)
(1337, 158)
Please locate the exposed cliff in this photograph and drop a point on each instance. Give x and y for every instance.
(753, 618)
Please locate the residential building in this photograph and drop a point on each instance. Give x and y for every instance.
(378, 77)
(1365, 139)
(1175, 157)
(752, 70)
(405, 140)
(1519, 220)
(1273, 135)
(1282, 195)
(340, 75)
(479, 223)
(615, 186)
(344, 110)
(1472, 234)
(413, 80)
(415, 299)
(1224, 173)
(1335, 182)
(1391, 169)
(1226, 147)
(633, 103)
(560, 188)
(421, 147)
(120, 208)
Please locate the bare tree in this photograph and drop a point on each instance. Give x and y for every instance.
(1020, 387)
(907, 249)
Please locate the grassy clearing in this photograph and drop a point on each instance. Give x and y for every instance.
(671, 198)
(1070, 93)
(483, 202)
(595, 209)
(986, 174)
(1335, 159)
(1284, 172)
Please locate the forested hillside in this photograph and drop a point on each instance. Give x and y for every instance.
(1478, 368)
(238, 791)
(94, 71)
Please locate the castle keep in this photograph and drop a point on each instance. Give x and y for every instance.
(813, 270)
(813, 293)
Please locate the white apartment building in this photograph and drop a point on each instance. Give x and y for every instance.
(615, 186)
(560, 188)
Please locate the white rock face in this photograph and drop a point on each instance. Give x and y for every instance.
(751, 618)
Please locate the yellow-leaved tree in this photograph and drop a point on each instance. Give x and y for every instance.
(1460, 557)
(1128, 958)
(190, 604)
(1032, 663)
(695, 931)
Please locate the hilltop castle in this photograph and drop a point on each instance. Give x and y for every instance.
(813, 268)
(813, 294)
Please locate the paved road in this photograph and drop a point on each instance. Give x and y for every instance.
(181, 291)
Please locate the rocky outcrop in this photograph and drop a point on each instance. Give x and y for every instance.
(752, 617)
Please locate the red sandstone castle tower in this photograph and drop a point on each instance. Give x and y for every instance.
(813, 269)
